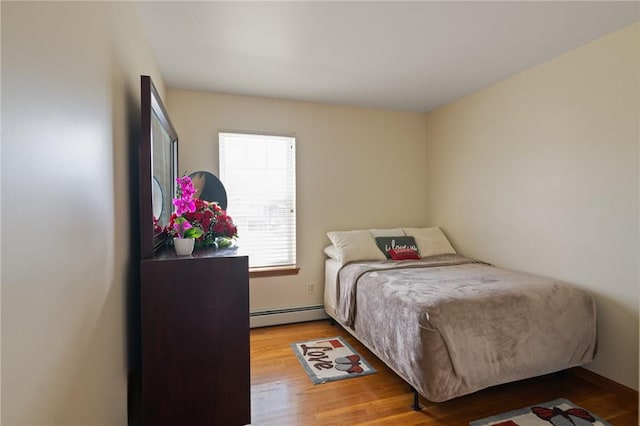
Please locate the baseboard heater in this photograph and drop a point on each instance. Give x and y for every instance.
(286, 316)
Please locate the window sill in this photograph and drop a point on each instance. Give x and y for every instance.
(274, 271)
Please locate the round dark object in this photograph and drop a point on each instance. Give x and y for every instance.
(209, 187)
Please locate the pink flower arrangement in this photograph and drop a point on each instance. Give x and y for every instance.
(184, 202)
(205, 221)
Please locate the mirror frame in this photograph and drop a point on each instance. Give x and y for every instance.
(150, 104)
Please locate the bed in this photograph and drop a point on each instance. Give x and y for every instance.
(450, 325)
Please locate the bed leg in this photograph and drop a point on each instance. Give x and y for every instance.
(416, 400)
(332, 321)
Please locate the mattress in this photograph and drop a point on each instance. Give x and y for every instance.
(331, 268)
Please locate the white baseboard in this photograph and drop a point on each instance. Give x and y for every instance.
(286, 316)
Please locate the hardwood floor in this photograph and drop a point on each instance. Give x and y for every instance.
(282, 394)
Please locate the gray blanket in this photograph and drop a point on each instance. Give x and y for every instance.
(450, 325)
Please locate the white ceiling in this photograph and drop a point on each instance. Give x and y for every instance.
(413, 56)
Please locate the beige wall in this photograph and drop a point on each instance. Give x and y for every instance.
(356, 168)
(70, 107)
(540, 173)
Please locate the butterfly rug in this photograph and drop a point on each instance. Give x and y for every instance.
(330, 359)
(559, 412)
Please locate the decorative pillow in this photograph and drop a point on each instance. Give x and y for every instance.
(332, 252)
(404, 254)
(386, 232)
(397, 245)
(430, 241)
(355, 245)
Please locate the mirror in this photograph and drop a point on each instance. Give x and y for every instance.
(158, 168)
(163, 173)
(208, 187)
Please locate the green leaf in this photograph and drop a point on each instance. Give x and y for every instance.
(193, 232)
(224, 242)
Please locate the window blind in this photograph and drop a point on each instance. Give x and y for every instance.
(259, 175)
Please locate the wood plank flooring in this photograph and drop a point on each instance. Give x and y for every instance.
(282, 394)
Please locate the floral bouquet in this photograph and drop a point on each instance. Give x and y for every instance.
(205, 221)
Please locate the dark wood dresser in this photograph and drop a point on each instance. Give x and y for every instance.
(195, 338)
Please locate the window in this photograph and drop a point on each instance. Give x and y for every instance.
(259, 175)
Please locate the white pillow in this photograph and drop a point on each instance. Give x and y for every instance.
(393, 232)
(332, 252)
(355, 245)
(430, 241)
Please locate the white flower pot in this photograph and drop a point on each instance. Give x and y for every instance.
(183, 246)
